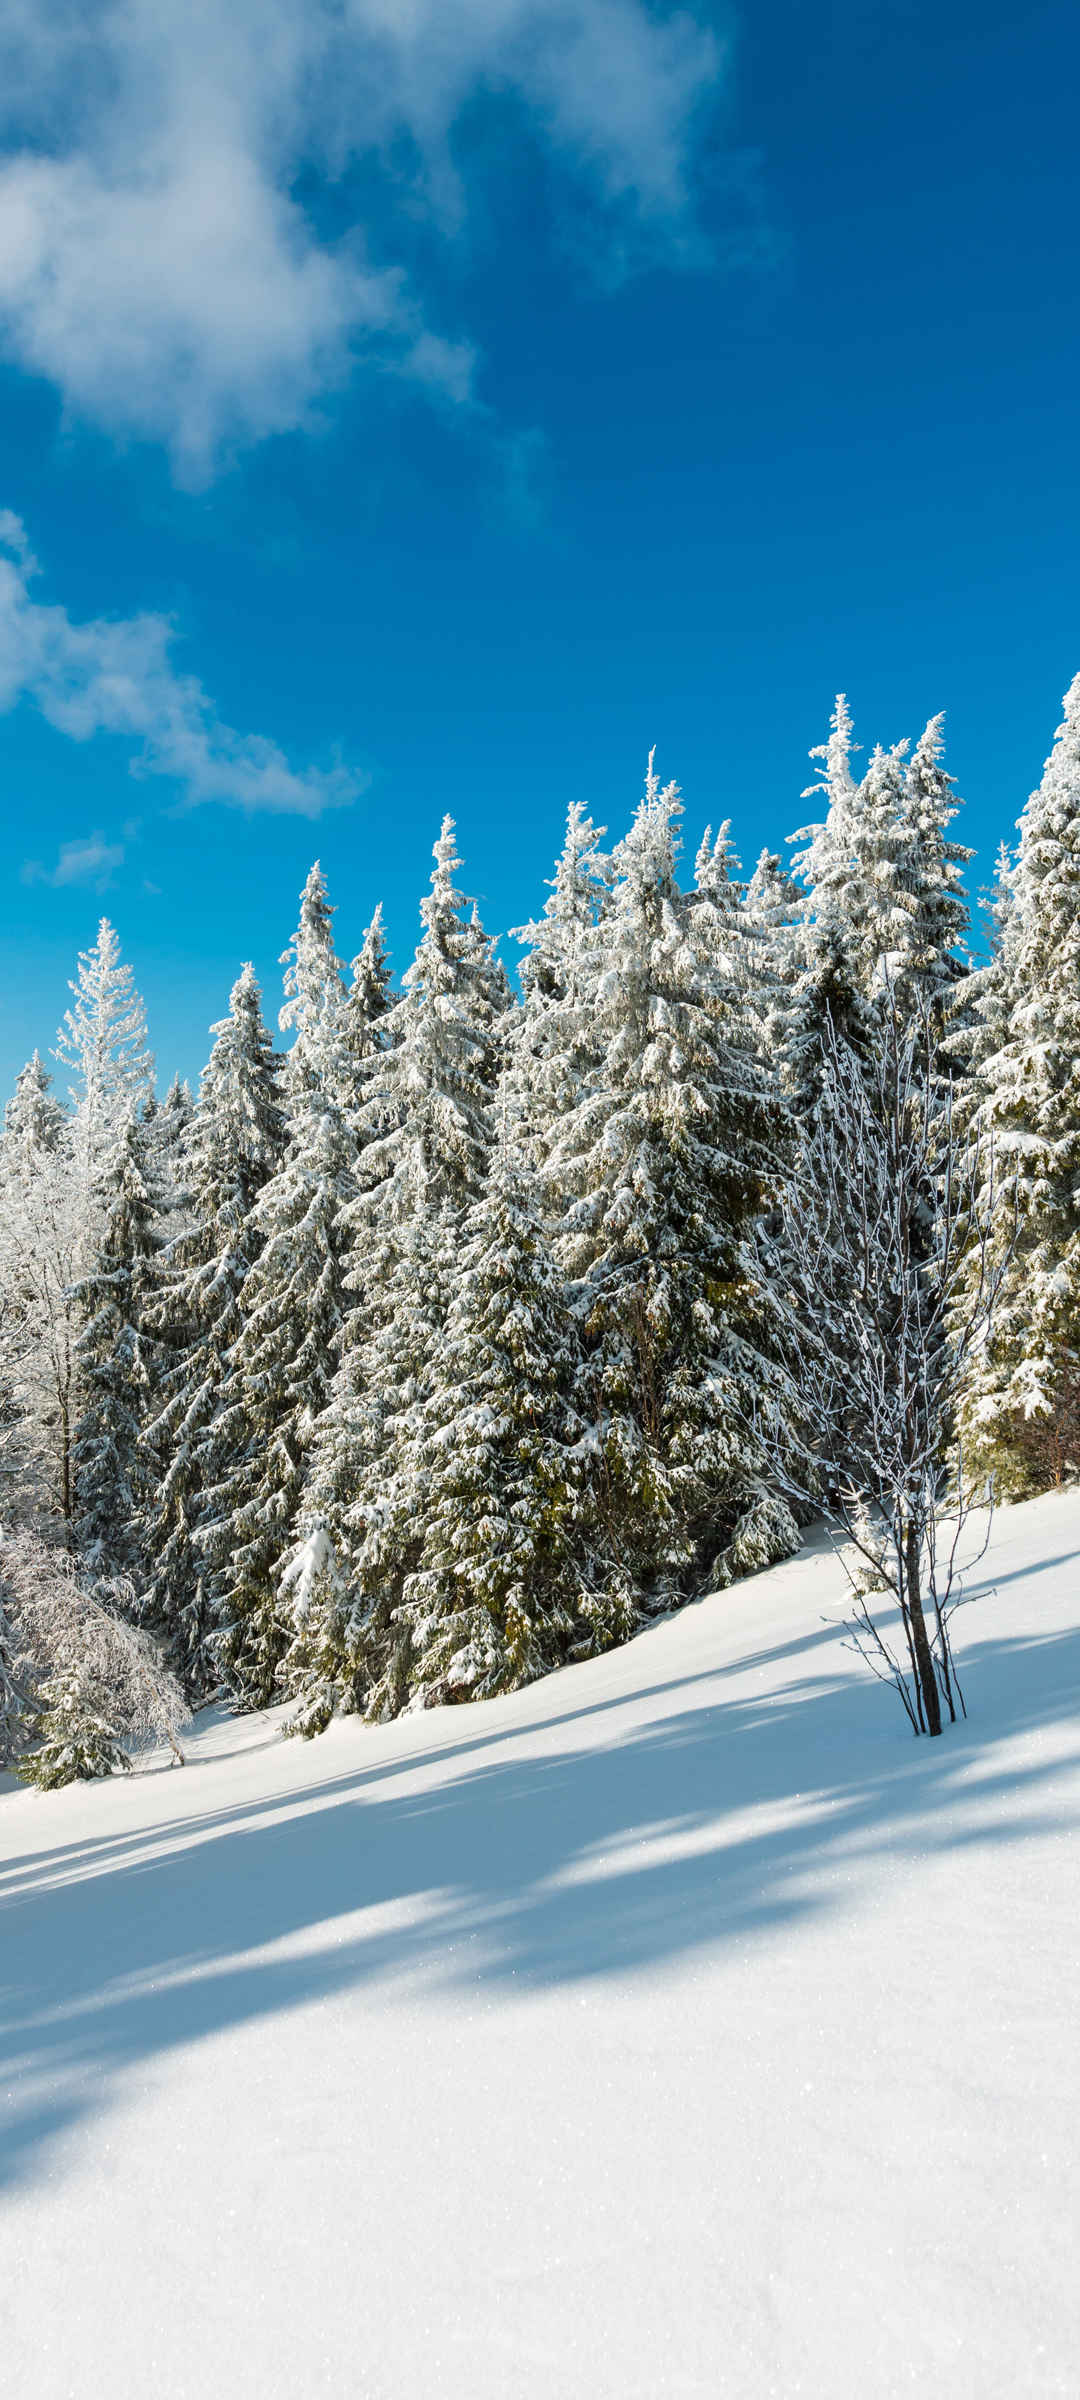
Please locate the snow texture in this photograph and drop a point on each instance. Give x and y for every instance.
(676, 2025)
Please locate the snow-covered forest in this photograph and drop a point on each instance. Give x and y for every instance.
(499, 1311)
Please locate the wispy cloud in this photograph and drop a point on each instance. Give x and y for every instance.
(116, 675)
(157, 262)
(93, 861)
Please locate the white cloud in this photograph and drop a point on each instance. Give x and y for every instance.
(93, 861)
(157, 260)
(13, 537)
(115, 675)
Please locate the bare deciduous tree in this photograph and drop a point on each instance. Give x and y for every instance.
(890, 1291)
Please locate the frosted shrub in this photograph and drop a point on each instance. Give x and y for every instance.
(95, 1687)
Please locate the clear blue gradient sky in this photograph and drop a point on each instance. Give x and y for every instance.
(624, 379)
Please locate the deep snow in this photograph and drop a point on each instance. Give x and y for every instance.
(679, 2026)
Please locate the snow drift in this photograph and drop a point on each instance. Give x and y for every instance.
(677, 2025)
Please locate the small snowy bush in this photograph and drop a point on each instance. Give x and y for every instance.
(89, 1688)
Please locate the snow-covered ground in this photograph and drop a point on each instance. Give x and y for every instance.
(679, 2026)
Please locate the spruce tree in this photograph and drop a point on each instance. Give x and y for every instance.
(773, 914)
(826, 983)
(978, 1019)
(554, 1033)
(1021, 1418)
(935, 963)
(114, 1361)
(886, 911)
(368, 1004)
(716, 884)
(167, 1127)
(370, 1027)
(659, 1173)
(199, 1445)
(424, 1129)
(102, 1044)
(825, 865)
(442, 1061)
(33, 1119)
(877, 902)
(280, 1366)
(73, 1740)
(561, 938)
(905, 900)
(515, 1571)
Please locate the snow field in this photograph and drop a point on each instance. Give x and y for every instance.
(676, 2026)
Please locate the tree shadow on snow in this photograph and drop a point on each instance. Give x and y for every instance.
(505, 1863)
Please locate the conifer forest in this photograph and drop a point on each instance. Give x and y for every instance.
(503, 1307)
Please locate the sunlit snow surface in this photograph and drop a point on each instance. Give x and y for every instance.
(678, 2026)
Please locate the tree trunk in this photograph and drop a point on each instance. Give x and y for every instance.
(920, 1639)
(66, 1496)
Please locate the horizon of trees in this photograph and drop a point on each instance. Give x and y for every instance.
(461, 1336)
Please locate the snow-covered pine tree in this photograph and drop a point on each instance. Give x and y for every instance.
(494, 998)
(102, 1044)
(428, 1112)
(235, 1145)
(773, 908)
(747, 930)
(280, 1366)
(553, 1033)
(746, 935)
(368, 1004)
(825, 866)
(515, 1569)
(56, 1168)
(114, 1363)
(877, 903)
(1021, 1416)
(315, 1008)
(716, 882)
(935, 963)
(659, 1171)
(786, 958)
(42, 1224)
(826, 985)
(424, 1127)
(234, 1148)
(905, 901)
(73, 1740)
(166, 1133)
(17, 1710)
(886, 910)
(312, 1584)
(743, 933)
(979, 1013)
(562, 935)
(33, 1119)
(370, 1030)
(716, 901)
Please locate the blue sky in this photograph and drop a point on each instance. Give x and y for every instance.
(405, 409)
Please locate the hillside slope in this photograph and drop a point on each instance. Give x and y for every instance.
(679, 2026)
